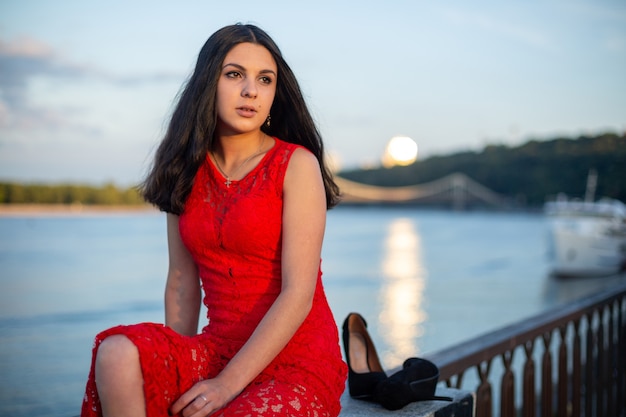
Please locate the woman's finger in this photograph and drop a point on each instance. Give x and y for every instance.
(200, 407)
(185, 400)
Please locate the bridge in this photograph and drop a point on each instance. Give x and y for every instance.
(456, 189)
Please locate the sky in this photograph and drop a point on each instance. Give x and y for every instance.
(86, 87)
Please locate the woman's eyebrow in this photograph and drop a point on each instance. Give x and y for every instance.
(242, 68)
(234, 65)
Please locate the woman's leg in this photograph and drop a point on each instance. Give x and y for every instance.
(119, 379)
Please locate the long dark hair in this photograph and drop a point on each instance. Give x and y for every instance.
(190, 134)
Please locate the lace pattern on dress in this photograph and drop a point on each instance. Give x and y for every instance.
(234, 235)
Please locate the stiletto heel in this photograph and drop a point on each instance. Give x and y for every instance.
(364, 369)
(417, 381)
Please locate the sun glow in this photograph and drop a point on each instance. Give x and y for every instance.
(401, 150)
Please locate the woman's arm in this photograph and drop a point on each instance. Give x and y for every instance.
(304, 221)
(182, 291)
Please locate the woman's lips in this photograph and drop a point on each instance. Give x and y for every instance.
(246, 111)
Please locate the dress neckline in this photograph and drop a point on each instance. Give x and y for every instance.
(218, 174)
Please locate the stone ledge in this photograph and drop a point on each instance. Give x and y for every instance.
(461, 406)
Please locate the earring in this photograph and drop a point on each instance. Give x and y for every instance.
(268, 120)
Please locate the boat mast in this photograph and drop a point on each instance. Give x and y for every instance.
(592, 180)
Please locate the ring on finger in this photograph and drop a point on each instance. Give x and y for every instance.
(203, 397)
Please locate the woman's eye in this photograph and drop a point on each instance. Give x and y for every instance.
(233, 74)
(266, 80)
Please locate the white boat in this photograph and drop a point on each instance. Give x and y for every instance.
(587, 237)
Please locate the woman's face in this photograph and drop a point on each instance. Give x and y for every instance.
(246, 89)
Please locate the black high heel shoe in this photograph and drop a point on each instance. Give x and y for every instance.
(364, 369)
(417, 381)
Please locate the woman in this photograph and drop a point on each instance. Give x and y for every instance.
(241, 175)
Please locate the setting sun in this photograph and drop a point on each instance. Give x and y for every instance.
(401, 150)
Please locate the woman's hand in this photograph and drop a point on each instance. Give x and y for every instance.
(203, 399)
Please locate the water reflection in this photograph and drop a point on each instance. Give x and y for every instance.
(561, 290)
(402, 292)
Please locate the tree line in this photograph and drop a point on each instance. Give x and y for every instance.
(529, 174)
(107, 195)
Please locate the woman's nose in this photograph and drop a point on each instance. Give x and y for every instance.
(249, 89)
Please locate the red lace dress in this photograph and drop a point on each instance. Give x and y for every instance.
(234, 234)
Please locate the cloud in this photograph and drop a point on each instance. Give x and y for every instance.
(25, 59)
(21, 61)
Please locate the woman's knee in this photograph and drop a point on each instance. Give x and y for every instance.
(118, 376)
(116, 351)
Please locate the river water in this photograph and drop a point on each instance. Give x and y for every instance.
(423, 279)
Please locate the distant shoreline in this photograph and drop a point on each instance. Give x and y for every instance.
(37, 210)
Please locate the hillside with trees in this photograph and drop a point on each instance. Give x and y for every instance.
(528, 174)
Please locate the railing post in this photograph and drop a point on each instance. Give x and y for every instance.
(576, 364)
(601, 365)
(589, 365)
(507, 386)
(611, 363)
(621, 370)
(484, 403)
(563, 379)
(546, 377)
(530, 395)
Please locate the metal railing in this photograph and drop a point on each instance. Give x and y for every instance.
(581, 349)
